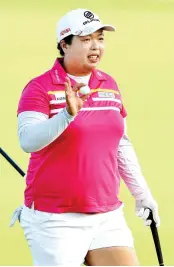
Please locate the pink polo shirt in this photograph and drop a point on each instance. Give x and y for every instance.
(77, 172)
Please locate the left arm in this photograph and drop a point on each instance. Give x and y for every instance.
(130, 171)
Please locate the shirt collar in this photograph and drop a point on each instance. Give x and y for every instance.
(59, 75)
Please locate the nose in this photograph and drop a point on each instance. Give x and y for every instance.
(94, 45)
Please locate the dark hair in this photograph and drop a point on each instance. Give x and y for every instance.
(68, 40)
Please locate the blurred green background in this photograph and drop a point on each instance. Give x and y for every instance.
(140, 55)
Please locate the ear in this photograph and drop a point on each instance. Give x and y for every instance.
(64, 46)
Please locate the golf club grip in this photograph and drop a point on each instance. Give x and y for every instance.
(156, 240)
(4, 154)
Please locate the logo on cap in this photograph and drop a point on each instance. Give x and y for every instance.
(65, 31)
(88, 15)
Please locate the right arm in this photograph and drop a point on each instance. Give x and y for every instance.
(35, 129)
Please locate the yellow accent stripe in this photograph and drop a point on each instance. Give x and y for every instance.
(105, 90)
(55, 92)
(92, 91)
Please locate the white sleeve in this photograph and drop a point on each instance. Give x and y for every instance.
(36, 130)
(130, 170)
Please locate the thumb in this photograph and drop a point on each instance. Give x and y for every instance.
(78, 86)
(147, 222)
(156, 217)
(140, 212)
(84, 97)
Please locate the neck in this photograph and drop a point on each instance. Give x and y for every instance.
(74, 70)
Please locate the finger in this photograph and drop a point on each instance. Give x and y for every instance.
(156, 217)
(155, 214)
(158, 222)
(146, 214)
(78, 86)
(84, 97)
(68, 81)
(147, 222)
(67, 89)
(140, 212)
(66, 86)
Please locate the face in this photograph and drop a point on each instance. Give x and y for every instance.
(84, 53)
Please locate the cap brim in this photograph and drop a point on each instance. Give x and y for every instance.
(89, 30)
(107, 27)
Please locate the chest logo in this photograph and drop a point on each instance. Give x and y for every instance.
(106, 94)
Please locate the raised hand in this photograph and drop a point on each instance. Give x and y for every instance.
(73, 102)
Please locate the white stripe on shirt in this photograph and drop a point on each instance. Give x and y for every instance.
(53, 111)
(106, 99)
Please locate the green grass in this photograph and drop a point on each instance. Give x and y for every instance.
(140, 56)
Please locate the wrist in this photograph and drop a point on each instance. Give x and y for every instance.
(68, 116)
(144, 194)
(69, 111)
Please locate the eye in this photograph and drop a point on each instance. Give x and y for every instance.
(101, 38)
(87, 39)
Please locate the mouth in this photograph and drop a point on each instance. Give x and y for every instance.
(93, 58)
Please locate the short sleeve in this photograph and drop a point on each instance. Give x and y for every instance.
(34, 98)
(123, 112)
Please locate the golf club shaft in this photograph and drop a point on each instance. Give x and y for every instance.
(19, 170)
(156, 240)
(157, 243)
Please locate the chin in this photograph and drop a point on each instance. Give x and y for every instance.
(90, 67)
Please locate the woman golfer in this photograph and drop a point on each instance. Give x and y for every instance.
(72, 121)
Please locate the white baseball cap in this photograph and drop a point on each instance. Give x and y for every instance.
(80, 22)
